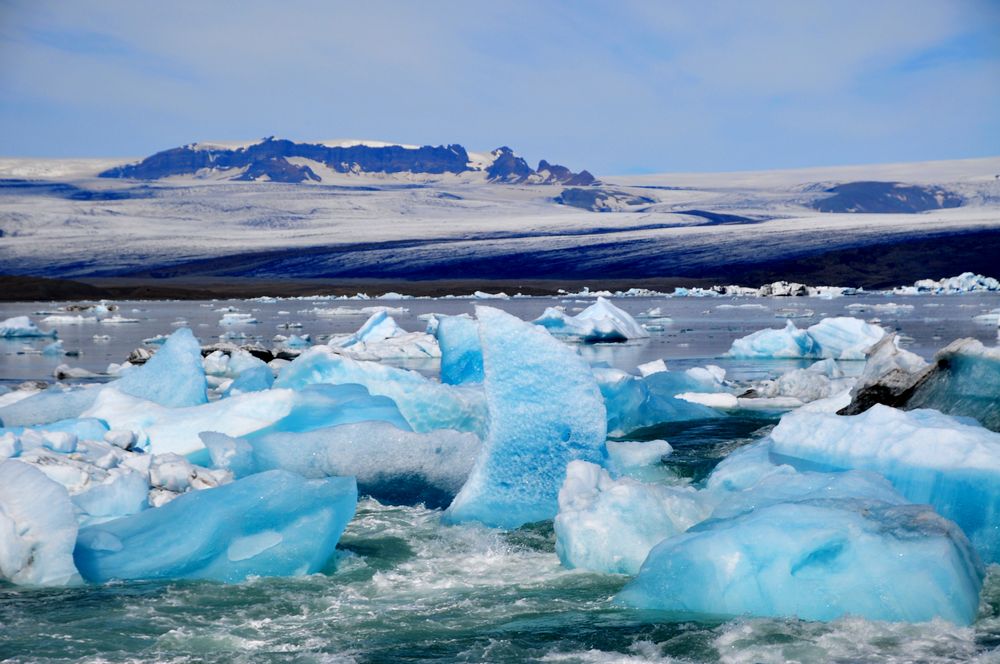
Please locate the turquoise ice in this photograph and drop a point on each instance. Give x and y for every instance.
(545, 410)
(271, 524)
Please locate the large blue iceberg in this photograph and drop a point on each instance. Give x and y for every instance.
(816, 559)
(635, 402)
(545, 410)
(929, 457)
(271, 524)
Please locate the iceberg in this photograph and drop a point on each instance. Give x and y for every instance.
(20, 327)
(633, 403)
(176, 429)
(173, 377)
(461, 353)
(965, 381)
(271, 524)
(380, 338)
(842, 338)
(426, 404)
(888, 378)
(37, 528)
(390, 464)
(545, 410)
(608, 525)
(600, 322)
(48, 406)
(815, 559)
(927, 456)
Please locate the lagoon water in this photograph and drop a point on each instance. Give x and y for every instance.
(404, 587)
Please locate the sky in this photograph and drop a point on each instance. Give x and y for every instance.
(614, 87)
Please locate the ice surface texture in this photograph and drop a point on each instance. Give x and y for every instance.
(426, 404)
(841, 338)
(545, 410)
(37, 528)
(461, 354)
(271, 524)
(390, 464)
(927, 456)
(817, 560)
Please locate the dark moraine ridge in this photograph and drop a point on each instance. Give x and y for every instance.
(886, 198)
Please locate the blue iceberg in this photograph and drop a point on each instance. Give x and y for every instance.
(174, 377)
(928, 457)
(600, 322)
(391, 464)
(426, 404)
(271, 524)
(21, 327)
(842, 338)
(635, 403)
(817, 559)
(545, 410)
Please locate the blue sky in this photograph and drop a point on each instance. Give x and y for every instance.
(615, 87)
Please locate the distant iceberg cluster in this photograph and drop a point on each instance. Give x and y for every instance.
(877, 494)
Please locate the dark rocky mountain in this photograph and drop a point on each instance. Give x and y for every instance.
(886, 197)
(269, 160)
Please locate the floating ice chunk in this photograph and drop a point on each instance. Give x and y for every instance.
(390, 464)
(426, 405)
(889, 375)
(382, 338)
(626, 454)
(54, 349)
(650, 368)
(608, 525)
(270, 524)
(927, 456)
(842, 338)
(21, 327)
(601, 321)
(788, 342)
(545, 410)
(816, 560)
(233, 318)
(845, 338)
(461, 353)
(176, 429)
(255, 379)
(47, 406)
(634, 403)
(967, 282)
(965, 381)
(174, 377)
(37, 528)
(319, 406)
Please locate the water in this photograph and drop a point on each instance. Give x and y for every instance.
(406, 588)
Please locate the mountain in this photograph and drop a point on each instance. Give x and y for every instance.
(280, 160)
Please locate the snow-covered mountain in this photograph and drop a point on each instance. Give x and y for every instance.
(59, 218)
(280, 160)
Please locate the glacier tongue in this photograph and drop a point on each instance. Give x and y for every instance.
(545, 410)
